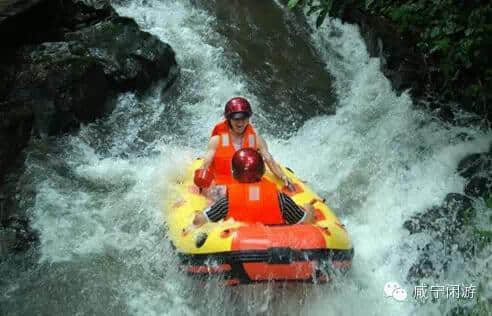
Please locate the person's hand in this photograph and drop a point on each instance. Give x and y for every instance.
(288, 184)
(198, 221)
(309, 209)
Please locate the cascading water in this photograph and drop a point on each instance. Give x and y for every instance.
(96, 197)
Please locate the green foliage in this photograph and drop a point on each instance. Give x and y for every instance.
(292, 3)
(455, 36)
(483, 237)
(488, 201)
(322, 7)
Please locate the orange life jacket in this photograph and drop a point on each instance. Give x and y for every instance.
(221, 165)
(254, 202)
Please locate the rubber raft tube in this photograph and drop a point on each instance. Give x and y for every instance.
(252, 252)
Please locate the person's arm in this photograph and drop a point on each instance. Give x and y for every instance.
(309, 210)
(209, 155)
(272, 164)
(214, 213)
(293, 213)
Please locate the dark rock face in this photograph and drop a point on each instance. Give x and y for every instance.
(423, 268)
(400, 61)
(131, 59)
(479, 186)
(86, 55)
(447, 218)
(474, 164)
(477, 168)
(274, 50)
(408, 68)
(62, 70)
(446, 223)
(15, 130)
(432, 219)
(17, 236)
(459, 205)
(60, 88)
(61, 64)
(450, 222)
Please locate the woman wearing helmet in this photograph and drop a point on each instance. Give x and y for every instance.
(232, 134)
(259, 197)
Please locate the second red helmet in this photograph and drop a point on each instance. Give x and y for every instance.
(247, 165)
(203, 178)
(237, 105)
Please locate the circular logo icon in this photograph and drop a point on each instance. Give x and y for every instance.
(394, 290)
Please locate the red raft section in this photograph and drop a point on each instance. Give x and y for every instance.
(263, 253)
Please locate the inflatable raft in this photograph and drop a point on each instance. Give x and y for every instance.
(252, 252)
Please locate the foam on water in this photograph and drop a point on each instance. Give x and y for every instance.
(377, 161)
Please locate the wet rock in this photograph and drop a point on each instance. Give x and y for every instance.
(400, 61)
(98, 5)
(445, 220)
(7, 241)
(433, 219)
(82, 13)
(60, 88)
(474, 164)
(463, 137)
(61, 64)
(9, 8)
(459, 311)
(15, 235)
(73, 65)
(16, 222)
(131, 59)
(460, 206)
(428, 264)
(424, 268)
(272, 47)
(414, 225)
(46, 20)
(479, 186)
(408, 68)
(16, 120)
(445, 113)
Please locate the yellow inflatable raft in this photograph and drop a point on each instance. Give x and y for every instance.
(253, 252)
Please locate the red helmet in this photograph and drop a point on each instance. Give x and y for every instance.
(247, 165)
(203, 178)
(237, 108)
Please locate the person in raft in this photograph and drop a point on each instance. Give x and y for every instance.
(232, 134)
(261, 198)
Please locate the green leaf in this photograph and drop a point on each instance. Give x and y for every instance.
(485, 234)
(442, 45)
(488, 202)
(451, 28)
(321, 18)
(314, 9)
(328, 4)
(292, 4)
(435, 32)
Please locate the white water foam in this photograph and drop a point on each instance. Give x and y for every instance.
(378, 161)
